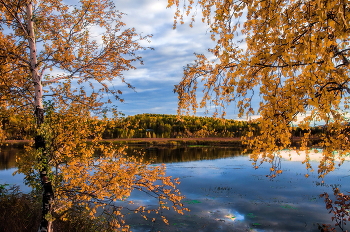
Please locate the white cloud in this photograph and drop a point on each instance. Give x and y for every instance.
(163, 67)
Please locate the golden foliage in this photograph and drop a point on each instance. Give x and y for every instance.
(69, 52)
(92, 175)
(50, 56)
(339, 208)
(295, 54)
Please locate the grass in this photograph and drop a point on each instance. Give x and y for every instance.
(20, 212)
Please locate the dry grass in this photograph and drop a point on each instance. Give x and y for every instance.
(20, 212)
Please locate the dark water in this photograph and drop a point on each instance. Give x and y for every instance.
(225, 193)
(8, 167)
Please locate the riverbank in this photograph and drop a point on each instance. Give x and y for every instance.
(208, 141)
(213, 141)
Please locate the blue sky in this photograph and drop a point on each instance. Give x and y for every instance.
(154, 81)
(163, 67)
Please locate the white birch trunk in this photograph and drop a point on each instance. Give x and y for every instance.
(33, 59)
(45, 225)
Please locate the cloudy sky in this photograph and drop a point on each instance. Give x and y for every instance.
(163, 67)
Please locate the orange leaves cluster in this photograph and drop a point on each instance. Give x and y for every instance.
(65, 42)
(340, 209)
(114, 177)
(94, 176)
(52, 57)
(294, 54)
(13, 84)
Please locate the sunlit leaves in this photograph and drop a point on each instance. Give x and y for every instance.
(339, 208)
(67, 43)
(294, 54)
(92, 175)
(67, 58)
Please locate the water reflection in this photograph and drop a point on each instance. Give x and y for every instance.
(8, 155)
(225, 193)
(184, 154)
(154, 154)
(8, 166)
(230, 195)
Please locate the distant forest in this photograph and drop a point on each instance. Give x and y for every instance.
(152, 126)
(169, 126)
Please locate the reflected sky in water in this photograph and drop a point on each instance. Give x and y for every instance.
(228, 194)
(6, 177)
(8, 167)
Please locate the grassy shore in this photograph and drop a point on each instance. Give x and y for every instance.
(208, 141)
(21, 212)
(214, 141)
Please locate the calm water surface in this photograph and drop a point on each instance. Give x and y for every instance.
(225, 193)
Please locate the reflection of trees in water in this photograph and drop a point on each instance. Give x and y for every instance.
(338, 203)
(156, 154)
(185, 154)
(8, 156)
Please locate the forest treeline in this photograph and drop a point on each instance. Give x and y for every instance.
(151, 126)
(170, 126)
(144, 126)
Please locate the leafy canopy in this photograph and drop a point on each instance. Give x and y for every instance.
(293, 54)
(67, 58)
(95, 177)
(80, 44)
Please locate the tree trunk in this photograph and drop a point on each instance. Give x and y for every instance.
(45, 225)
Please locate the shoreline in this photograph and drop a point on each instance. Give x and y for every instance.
(225, 139)
(210, 141)
(213, 141)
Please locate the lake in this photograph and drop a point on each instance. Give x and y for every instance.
(225, 193)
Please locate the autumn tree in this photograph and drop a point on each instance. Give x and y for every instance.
(66, 58)
(293, 54)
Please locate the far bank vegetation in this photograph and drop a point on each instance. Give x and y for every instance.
(151, 126)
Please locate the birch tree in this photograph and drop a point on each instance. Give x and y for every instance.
(292, 55)
(67, 57)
